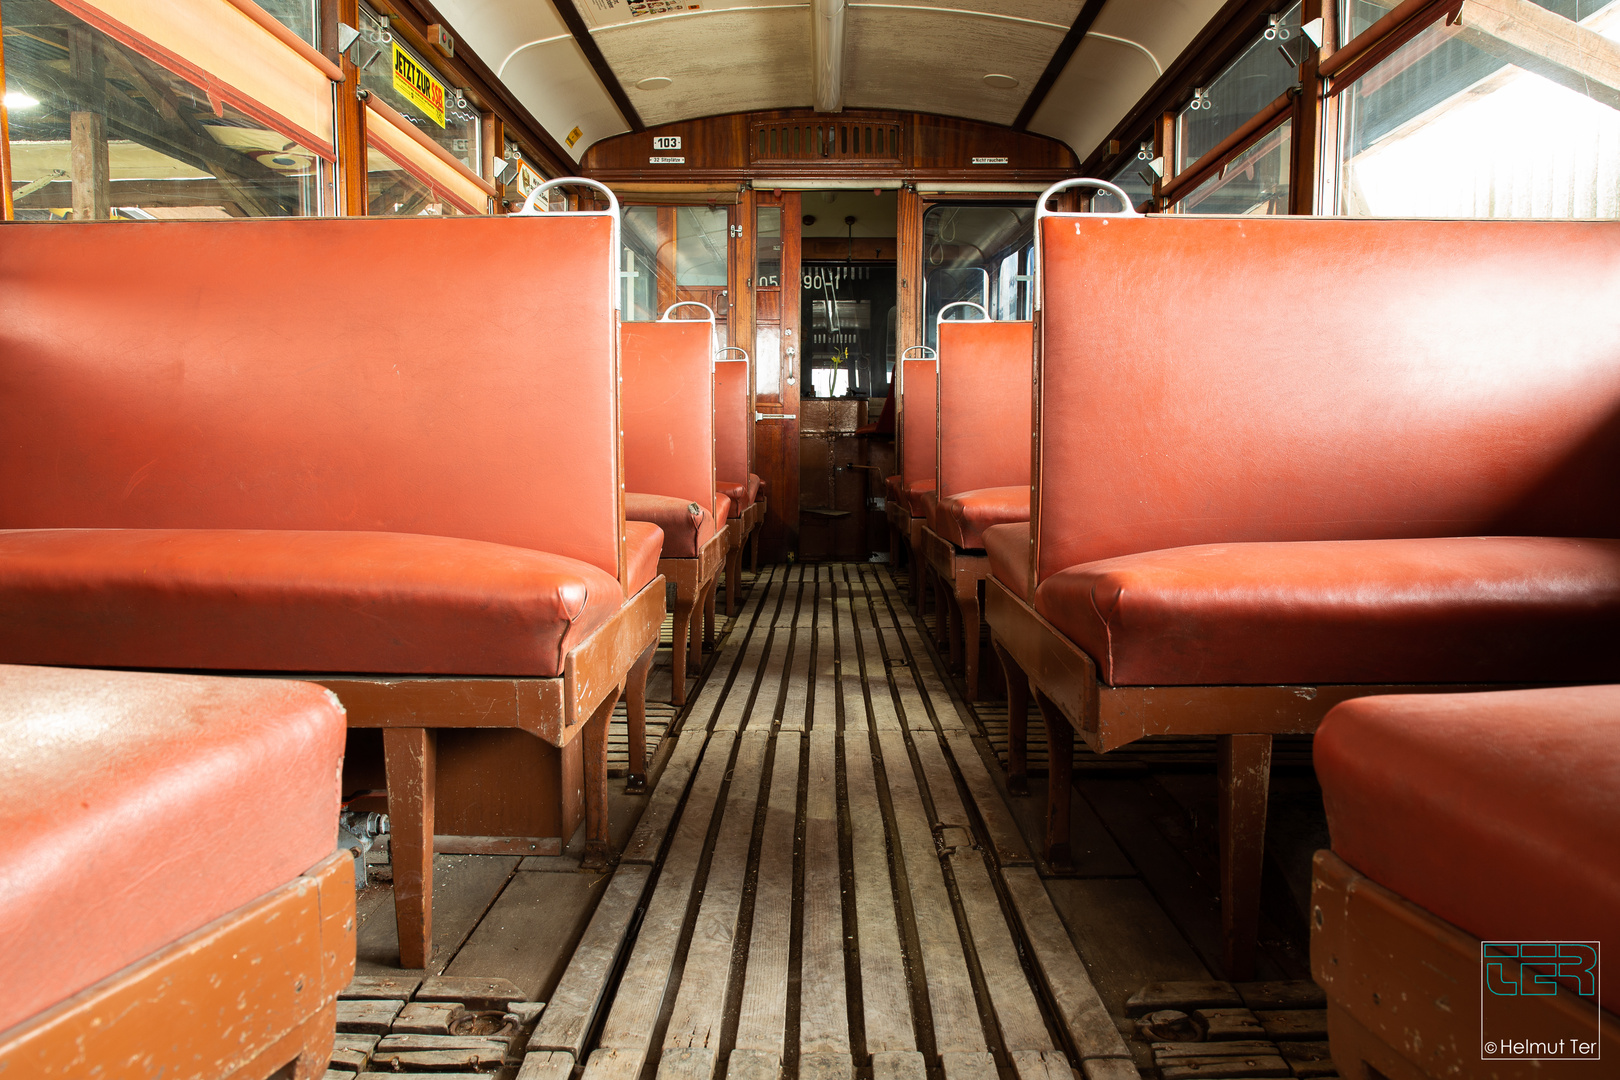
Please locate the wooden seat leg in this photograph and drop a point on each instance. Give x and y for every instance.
(1059, 773)
(694, 654)
(598, 843)
(410, 760)
(678, 645)
(967, 608)
(734, 575)
(1245, 784)
(708, 614)
(635, 695)
(1017, 721)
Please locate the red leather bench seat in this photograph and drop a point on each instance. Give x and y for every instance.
(1466, 609)
(964, 517)
(141, 807)
(1008, 548)
(723, 506)
(1495, 812)
(737, 493)
(918, 495)
(756, 488)
(284, 600)
(643, 544)
(685, 532)
(894, 488)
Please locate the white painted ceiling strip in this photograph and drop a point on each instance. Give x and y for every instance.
(996, 15)
(1134, 44)
(532, 44)
(693, 15)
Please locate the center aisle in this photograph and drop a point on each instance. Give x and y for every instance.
(825, 880)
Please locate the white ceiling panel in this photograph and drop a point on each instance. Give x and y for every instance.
(935, 62)
(729, 61)
(529, 48)
(1057, 12)
(1116, 64)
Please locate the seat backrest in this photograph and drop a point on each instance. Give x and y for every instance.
(1241, 379)
(985, 392)
(315, 374)
(668, 396)
(733, 423)
(919, 420)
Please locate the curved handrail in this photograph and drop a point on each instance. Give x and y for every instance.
(531, 207)
(723, 358)
(980, 308)
(905, 354)
(665, 317)
(1041, 211)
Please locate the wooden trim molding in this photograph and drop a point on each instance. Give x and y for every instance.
(604, 71)
(1230, 147)
(1060, 60)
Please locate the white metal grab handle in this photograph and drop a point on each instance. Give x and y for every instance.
(1042, 211)
(984, 315)
(909, 349)
(533, 205)
(668, 317)
(732, 359)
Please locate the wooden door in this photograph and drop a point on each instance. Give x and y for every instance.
(776, 375)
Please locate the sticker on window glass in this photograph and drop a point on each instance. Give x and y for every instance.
(418, 85)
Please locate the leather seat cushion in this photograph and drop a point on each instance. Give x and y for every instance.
(763, 485)
(1008, 548)
(273, 600)
(1493, 811)
(737, 493)
(643, 544)
(966, 515)
(142, 807)
(756, 488)
(893, 489)
(723, 507)
(1444, 610)
(687, 525)
(916, 500)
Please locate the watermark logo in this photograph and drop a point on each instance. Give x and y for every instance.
(1538, 1000)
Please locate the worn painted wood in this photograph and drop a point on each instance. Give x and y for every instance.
(395, 987)
(367, 1017)
(975, 1066)
(826, 1066)
(648, 839)
(547, 1065)
(351, 1052)
(753, 1065)
(762, 1023)
(884, 715)
(1018, 1014)
(1289, 994)
(1226, 1025)
(885, 997)
(734, 713)
(1041, 1065)
(475, 992)
(898, 1065)
(949, 810)
(567, 1019)
(426, 1018)
(849, 661)
(1005, 838)
(641, 990)
(950, 989)
(1109, 1069)
(699, 1003)
(823, 1007)
(1279, 1024)
(532, 931)
(824, 703)
(702, 711)
(686, 1063)
(1186, 996)
(1091, 1030)
(796, 698)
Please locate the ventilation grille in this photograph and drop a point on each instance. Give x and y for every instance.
(848, 142)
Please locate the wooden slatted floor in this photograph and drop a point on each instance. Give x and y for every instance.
(826, 879)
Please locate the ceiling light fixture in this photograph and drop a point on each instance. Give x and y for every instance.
(1004, 82)
(655, 82)
(827, 55)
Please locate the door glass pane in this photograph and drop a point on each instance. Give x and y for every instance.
(392, 191)
(639, 264)
(847, 310)
(1136, 177)
(768, 247)
(979, 252)
(1254, 182)
(1249, 84)
(700, 246)
(1461, 122)
(299, 16)
(151, 144)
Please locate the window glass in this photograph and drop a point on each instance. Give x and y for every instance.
(979, 252)
(1135, 177)
(847, 310)
(639, 264)
(1247, 85)
(1449, 126)
(390, 68)
(299, 16)
(393, 191)
(768, 247)
(151, 144)
(700, 246)
(1356, 15)
(1254, 182)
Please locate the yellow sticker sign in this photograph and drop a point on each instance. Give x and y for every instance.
(418, 85)
(573, 137)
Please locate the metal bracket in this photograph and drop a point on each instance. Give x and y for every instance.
(775, 416)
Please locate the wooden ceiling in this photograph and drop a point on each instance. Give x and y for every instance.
(605, 67)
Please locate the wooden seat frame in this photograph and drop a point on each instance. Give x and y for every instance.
(238, 999)
(695, 581)
(1403, 989)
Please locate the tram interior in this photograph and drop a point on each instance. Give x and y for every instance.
(632, 540)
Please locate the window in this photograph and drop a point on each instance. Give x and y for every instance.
(639, 264)
(700, 246)
(979, 252)
(768, 247)
(302, 17)
(1254, 182)
(1135, 177)
(149, 143)
(390, 68)
(1461, 122)
(394, 191)
(1248, 84)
